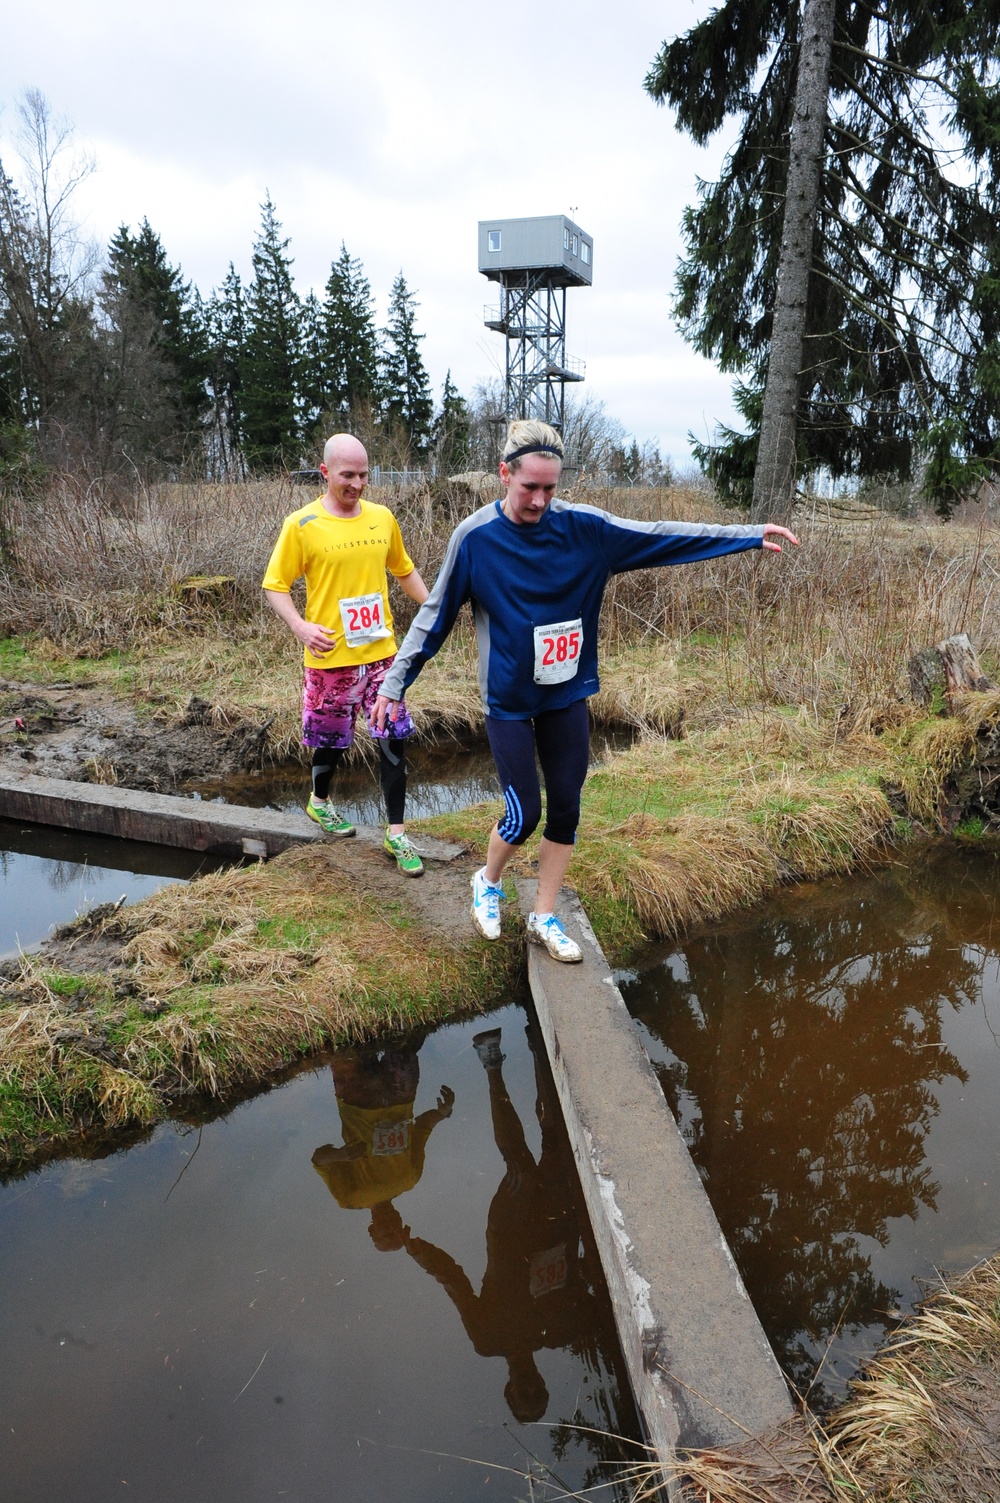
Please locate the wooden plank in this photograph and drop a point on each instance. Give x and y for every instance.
(702, 1371)
(164, 819)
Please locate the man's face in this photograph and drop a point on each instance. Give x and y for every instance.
(530, 487)
(346, 477)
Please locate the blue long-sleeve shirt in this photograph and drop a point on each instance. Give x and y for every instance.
(525, 578)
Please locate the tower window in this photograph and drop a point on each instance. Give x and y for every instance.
(576, 244)
(493, 240)
(585, 253)
(565, 238)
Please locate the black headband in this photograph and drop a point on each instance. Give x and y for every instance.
(533, 449)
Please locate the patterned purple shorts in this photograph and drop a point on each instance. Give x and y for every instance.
(332, 697)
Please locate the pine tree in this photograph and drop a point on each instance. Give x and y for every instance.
(226, 324)
(345, 356)
(452, 432)
(271, 366)
(901, 349)
(151, 296)
(406, 393)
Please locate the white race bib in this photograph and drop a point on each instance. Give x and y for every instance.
(557, 651)
(364, 619)
(548, 1271)
(390, 1137)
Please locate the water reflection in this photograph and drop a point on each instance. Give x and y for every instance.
(198, 1317)
(808, 1054)
(48, 876)
(536, 1291)
(382, 1154)
(533, 1291)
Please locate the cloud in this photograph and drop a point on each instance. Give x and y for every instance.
(395, 128)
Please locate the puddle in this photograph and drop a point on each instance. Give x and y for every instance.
(48, 876)
(440, 780)
(217, 1313)
(834, 1062)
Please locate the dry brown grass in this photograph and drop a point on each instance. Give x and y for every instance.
(677, 833)
(922, 1423)
(219, 983)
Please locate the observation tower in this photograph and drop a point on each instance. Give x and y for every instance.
(534, 261)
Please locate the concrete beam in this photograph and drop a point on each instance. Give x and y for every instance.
(702, 1370)
(164, 819)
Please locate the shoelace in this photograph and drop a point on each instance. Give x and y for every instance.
(491, 900)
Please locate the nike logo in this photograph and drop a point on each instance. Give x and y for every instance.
(373, 527)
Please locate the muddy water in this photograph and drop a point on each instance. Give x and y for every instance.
(834, 1061)
(48, 876)
(337, 1291)
(441, 779)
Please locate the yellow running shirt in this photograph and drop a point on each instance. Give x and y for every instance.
(344, 561)
(393, 1160)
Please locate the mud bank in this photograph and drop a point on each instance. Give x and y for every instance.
(82, 733)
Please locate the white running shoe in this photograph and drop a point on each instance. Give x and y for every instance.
(486, 901)
(545, 929)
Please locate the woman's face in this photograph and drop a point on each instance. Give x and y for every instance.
(530, 487)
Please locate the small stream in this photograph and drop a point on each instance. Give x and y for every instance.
(333, 1291)
(440, 780)
(834, 1062)
(337, 1290)
(49, 877)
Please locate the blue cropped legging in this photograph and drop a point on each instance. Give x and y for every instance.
(562, 738)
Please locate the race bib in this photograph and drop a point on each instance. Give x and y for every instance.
(390, 1137)
(548, 1271)
(364, 619)
(557, 651)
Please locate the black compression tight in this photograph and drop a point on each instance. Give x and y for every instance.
(392, 774)
(562, 740)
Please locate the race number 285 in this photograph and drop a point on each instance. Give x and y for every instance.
(557, 651)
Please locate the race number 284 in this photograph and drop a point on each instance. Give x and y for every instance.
(557, 651)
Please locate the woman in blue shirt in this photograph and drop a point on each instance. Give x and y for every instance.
(535, 570)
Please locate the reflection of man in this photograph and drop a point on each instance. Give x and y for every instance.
(383, 1151)
(533, 1285)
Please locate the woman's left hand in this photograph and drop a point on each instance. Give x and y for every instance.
(782, 532)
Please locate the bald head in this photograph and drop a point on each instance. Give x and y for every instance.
(345, 470)
(344, 446)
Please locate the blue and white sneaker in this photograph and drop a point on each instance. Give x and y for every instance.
(486, 901)
(545, 929)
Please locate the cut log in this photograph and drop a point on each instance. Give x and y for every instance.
(200, 592)
(939, 673)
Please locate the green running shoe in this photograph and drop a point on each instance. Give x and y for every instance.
(402, 852)
(326, 816)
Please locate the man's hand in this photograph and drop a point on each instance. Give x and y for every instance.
(782, 532)
(385, 706)
(445, 1101)
(318, 639)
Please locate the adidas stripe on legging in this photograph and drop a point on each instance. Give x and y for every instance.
(562, 740)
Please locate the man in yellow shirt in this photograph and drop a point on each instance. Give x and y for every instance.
(344, 546)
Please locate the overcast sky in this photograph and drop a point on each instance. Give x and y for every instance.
(395, 127)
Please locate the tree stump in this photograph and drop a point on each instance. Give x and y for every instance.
(939, 673)
(207, 592)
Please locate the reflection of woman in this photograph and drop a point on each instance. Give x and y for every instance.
(383, 1151)
(533, 1286)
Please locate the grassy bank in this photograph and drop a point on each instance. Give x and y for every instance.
(919, 1425)
(210, 987)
